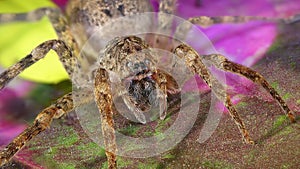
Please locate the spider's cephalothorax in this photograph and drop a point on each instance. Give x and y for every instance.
(133, 65)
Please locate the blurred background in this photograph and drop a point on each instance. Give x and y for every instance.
(270, 48)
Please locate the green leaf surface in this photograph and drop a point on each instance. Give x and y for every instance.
(18, 39)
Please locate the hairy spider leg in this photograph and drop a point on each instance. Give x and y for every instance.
(206, 21)
(162, 94)
(103, 99)
(36, 54)
(166, 7)
(194, 61)
(223, 63)
(65, 46)
(196, 64)
(43, 120)
(165, 21)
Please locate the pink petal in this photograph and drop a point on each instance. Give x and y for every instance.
(9, 130)
(188, 8)
(61, 3)
(242, 43)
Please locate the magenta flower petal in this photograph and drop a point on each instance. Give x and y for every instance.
(155, 4)
(9, 130)
(11, 104)
(242, 43)
(188, 8)
(61, 3)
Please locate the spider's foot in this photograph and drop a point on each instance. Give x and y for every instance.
(163, 111)
(140, 116)
(292, 117)
(246, 138)
(3, 161)
(248, 141)
(112, 160)
(162, 98)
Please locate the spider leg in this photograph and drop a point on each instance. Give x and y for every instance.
(103, 98)
(223, 63)
(43, 120)
(165, 23)
(206, 21)
(162, 94)
(138, 114)
(65, 47)
(194, 61)
(167, 7)
(15, 17)
(38, 53)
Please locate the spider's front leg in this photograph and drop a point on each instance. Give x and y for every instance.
(65, 47)
(43, 120)
(161, 79)
(103, 99)
(195, 63)
(223, 63)
(38, 53)
(165, 20)
(61, 107)
(206, 21)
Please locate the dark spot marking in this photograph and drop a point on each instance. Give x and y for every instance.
(107, 12)
(121, 9)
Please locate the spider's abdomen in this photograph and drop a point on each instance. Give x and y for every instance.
(88, 16)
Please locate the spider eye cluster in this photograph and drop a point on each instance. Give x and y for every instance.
(138, 67)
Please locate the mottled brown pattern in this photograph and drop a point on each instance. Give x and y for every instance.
(162, 84)
(194, 61)
(222, 63)
(38, 53)
(208, 21)
(41, 123)
(103, 98)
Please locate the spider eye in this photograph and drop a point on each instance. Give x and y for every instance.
(129, 64)
(147, 61)
(146, 84)
(136, 66)
(142, 65)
